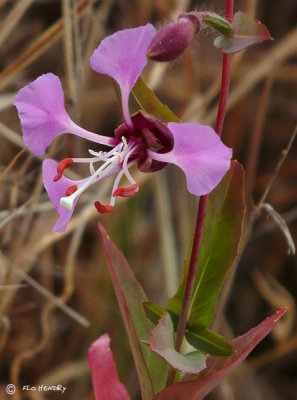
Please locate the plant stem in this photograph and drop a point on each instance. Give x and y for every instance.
(182, 322)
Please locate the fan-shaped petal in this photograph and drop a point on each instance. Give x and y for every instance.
(56, 190)
(122, 56)
(200, 153)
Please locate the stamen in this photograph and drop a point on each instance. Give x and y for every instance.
(124, 140)
(102, 209)
(72, 189)
(92, 169)
(126, 191)
(97, 153)
(67, 202)
(61, 167)
(121, 158)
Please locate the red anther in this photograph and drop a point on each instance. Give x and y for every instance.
(72, 189)
(126, 191)
(102, 209)
(61, 167)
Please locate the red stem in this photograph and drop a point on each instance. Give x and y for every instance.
(182, 322)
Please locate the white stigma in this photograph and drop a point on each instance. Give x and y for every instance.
(66, 202)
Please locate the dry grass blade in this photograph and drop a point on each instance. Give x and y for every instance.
(277, 169)
(11, 164)
(11, 135)
(13, 18)
(43, 43)
(277, 296)
(281, 223)
(53, 299)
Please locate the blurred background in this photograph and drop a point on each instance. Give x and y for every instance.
(56, 296)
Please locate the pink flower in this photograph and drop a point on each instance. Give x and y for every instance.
(141, 139)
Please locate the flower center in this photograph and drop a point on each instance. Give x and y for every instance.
(117, 161)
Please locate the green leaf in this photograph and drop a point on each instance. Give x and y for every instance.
(209, 342)
(217, 367)
(152, 371)
(217, 22)
(162, 343)
(175, 303)
(220, 242)
(246, 31)
(219, 247)
(150, 103)
(153, 311)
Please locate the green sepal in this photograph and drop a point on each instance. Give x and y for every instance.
(219, 23)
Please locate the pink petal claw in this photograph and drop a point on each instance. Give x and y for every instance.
(55, 191)
(200, 153)
(105, 379)
(123, 57)
(43, 116)
(42, 113)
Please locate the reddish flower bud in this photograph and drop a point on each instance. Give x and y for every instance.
(173, 39)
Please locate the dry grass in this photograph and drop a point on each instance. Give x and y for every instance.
(55, 293)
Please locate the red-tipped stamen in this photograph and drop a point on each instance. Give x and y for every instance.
(102, 209)
(72, 189)
(61, 167)
(126, 191)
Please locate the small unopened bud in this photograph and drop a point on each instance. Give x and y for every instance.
(173, 39)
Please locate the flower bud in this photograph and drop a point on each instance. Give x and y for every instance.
(173, 39)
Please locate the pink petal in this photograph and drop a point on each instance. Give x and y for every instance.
(200, 153)
(123, 56)
(43, 116)
(55, 191)
(105, 379)
(42, 113)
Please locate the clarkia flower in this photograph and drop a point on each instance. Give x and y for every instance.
(141, 139)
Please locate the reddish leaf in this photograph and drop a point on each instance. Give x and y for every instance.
(219, 367)
(246, 32)
(152, 371)
(105, 379)
(162, 343)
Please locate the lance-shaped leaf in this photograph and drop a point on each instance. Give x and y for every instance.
(209, 342)
(217, 367)
(152, 370)
(150, 103)
(202, 339)
(219, 247)
(154, 312)
(162, 343)
(105, 379)
(246, 31)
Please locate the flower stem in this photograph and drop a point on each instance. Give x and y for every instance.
(182, 322)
